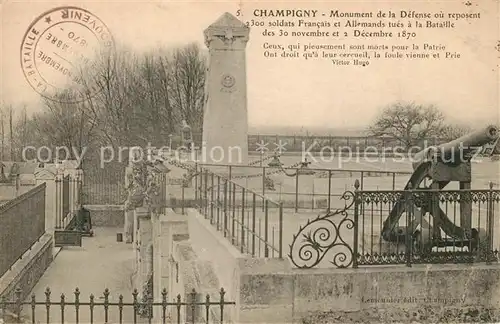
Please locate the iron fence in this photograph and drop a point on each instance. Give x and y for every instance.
(16, 237)
(194, 309)
(67, 196)
(302, 187)
(296, 143)
(62, 200)
(250, 221)
(400, 227)
(103, 185)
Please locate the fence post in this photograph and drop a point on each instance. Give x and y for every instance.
(59, 190)
(218, 202)
(266, 224)
(491, 224)
(233, 218)
(297, 190)
(263, 183)
(242, 219)
(280, 234)
(408, 236)
(182, 199)
(253, 223)
(212, 199)
(329, 190)
(196, 181)
(357, 201)
(205, 195)
(225, 207)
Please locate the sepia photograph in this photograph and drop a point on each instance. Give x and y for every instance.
(306, 162)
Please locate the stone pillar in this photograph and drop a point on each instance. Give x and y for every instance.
(225, 124)
(143, 229)
(128, 227)
(166, 229)
(59, 198)
(48, 176)
(78, 187)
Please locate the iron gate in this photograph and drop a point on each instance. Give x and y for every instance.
(195, 309)
(65, 195)
(103, 185)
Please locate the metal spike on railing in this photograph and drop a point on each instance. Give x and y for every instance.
(47, 303)
(222, 293)
(120, 307)
(91, 308)
(134, 296)
(193, 305)
(179, 304)
(77, 305)
(33, 307)
(62, 307)
(207, 309)
(164, 304)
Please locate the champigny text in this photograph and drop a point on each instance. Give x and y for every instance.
(285, 13)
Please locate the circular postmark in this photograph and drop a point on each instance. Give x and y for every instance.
(62, 51)
(228, 80)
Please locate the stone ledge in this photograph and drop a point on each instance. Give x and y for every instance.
(195, 216)
(104, 207)
(408, 315)
(199, 275)
(26, 272)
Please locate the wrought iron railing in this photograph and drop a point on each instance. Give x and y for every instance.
(296, 143)
(67, 196)
(105, 309)
(22, 223)
(397, 227)
(300, 191)
(250, 221)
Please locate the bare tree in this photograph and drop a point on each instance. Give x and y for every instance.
(187, 72)
(454, 131)
(409, 123)
(11, 132)
(140, 99)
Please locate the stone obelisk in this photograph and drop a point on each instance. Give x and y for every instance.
(225, 122)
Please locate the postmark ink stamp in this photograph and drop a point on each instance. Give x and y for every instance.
(61, 50)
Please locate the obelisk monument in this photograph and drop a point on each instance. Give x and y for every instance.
(225, 121)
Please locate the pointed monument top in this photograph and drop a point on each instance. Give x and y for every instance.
(227, 20)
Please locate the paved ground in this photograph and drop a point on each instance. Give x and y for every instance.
(100, 263)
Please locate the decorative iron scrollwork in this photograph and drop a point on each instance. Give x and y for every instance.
(324, 237)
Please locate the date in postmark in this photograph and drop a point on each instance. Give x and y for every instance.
(61, 50)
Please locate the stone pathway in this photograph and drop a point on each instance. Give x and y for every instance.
(100, 263)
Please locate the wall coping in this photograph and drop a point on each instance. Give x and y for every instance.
(246, 263)
(17, 269)
(397, 269)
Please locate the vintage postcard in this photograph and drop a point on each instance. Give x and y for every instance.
(249, 161)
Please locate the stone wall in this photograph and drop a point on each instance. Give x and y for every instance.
(438, 293)
(10, 191)
(271, 291)
(106, 215)
(27, 271)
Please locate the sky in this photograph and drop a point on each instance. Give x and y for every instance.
(298, 93)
